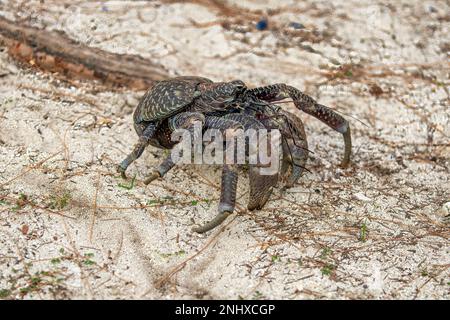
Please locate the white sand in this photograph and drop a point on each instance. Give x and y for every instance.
(374, 230)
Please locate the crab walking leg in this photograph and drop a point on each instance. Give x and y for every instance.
(227, 198)
(307, 104)
(261, 185)
(296, 159)
(296, 153)
(138, 149)
(187, 121)
(161, 170)
(294, 145)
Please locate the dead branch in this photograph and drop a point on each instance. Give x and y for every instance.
(54, 51)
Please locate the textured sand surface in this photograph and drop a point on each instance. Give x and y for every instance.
(69, 229)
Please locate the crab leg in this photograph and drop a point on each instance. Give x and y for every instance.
(185, 120)
(307, 104)
(138, 149)
(295, 146)
(227, 198)
(295, 149)
(260, 185)
(161, 170)
(229, 177)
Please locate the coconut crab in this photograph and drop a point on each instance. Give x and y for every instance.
(181, 102)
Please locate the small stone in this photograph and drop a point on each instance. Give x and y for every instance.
(262, 24)
(375, 90)
(131, 101)
(297, 25)
(361, 197)
(444, 212)
(446, 208)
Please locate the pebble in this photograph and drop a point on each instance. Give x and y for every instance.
(131, 101)
(297, 25)
(432, 9)
(262, 24)
(361, 197)
(445, 210)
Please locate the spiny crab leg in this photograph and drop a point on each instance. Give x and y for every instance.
(227, 198)
(307, 104)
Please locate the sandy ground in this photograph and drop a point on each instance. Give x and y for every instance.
(71, 228)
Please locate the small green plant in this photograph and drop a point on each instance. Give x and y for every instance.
(275, 258)
(327, 270)
(21, 202)
(59, 202)
(163, 200)
(177, 254)
(87, 261)
(7, 100)
(207, 201)
(258, 295)
(128, 186)
(35, 281)
(55, 260)
(26, 290)
(424, 273)
(4, 293)
(325, 253)
(363, 233)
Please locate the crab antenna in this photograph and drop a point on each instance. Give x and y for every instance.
(292, 157)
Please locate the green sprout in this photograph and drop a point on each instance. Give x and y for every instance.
(325, 252)
(88, 261)
(327, 269)
(59, 202)
(4, 293)
(363, 233)
(128, 187)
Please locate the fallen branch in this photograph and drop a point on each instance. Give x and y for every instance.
(53, 51)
